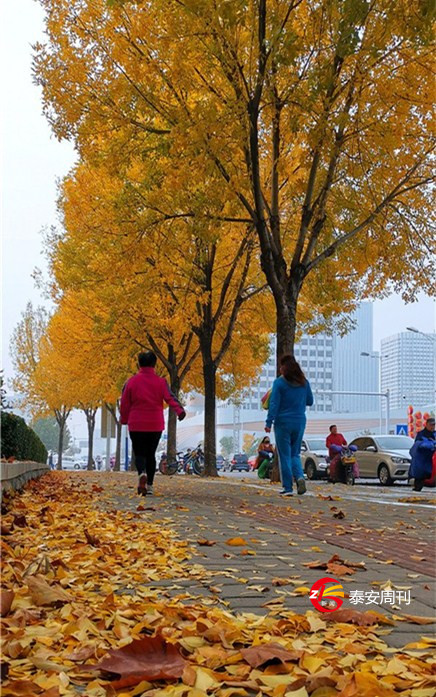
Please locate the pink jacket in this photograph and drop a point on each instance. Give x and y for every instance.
(142, 401)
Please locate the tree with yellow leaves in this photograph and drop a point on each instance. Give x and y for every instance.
(312, 119)
(96, 371)
(41, 374)
(185, 308)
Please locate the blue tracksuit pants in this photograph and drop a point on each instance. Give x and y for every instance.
(288, 437)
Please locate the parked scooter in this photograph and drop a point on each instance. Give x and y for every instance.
(343, 467)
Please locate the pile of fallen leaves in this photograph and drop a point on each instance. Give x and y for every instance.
(80, 616)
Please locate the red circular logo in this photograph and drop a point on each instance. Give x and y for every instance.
(327, 598)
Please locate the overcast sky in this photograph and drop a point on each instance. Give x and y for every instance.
(33, 161)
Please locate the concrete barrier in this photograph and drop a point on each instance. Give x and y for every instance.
(14, 475)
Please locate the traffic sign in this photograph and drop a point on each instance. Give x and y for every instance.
(401, 429)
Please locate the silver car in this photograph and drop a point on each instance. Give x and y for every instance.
(385, 457)
(313, 457)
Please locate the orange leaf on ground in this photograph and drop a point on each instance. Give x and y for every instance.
(151, 658)
(415, 619)
(82, 654)
(258, 655)
(6, 598)
(236, 542)
(44, 594)
(205, 543)
(339, 569)
(20, 688)
(362, 619)
(91, 539)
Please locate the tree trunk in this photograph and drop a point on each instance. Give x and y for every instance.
(172, 422)
(90, 420)
(114, 410)
(286, 325)
(118, 430)
(60, 445)
(209, 376)
(60, 419)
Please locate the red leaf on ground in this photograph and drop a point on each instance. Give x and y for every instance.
(151, 658)
(5, 530)
(258, 655)
(6, 598)
(20, 520)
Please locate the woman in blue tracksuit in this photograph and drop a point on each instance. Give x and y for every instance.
(290, 396)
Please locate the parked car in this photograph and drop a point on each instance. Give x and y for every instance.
(239, 462)
(385, 457)
(70, 463)
(220, 462)
(313, 457)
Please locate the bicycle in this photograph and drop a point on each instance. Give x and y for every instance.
(170, 468)
(194, 463)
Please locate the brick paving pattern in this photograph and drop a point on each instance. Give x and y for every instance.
(395, 541)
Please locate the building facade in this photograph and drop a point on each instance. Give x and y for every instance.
(408, 369)
(352, 371)
(332, 364)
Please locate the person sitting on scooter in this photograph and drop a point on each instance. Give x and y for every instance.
(334, 442)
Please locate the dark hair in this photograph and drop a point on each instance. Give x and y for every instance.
(264, 439)
(147, 359)
(332, 426)
(291, 370)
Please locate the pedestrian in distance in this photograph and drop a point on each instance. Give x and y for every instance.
(290, 395)
(334, 442)
(422, 452)
(142, 410)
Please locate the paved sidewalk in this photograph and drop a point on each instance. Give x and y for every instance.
(390, 530)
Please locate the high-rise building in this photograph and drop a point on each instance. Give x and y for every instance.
(352, 371)
(331, 363)
(408, 369)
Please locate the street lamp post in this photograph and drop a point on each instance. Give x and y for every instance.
(379, 357)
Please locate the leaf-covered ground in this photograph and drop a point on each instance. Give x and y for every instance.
(80, 615)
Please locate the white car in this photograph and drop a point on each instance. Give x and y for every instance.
(70, 463)
(313, 457)
(386, 457)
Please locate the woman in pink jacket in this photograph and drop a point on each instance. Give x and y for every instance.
(142, 410)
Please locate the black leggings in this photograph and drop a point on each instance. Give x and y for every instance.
(144, 444)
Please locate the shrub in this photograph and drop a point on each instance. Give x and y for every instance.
(19, 441)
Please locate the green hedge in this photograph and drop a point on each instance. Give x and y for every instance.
(19, 441)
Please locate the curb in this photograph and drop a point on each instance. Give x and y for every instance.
(14, 475)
